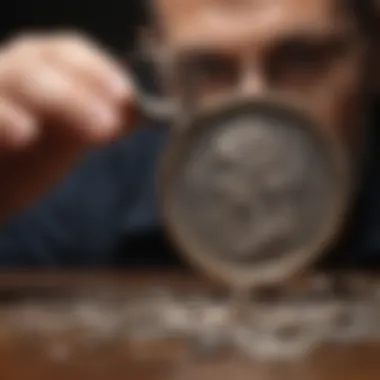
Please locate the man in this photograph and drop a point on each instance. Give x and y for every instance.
(61, 96)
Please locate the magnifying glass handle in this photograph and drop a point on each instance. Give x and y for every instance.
(155, 108)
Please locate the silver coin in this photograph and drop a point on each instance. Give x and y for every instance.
(250, 185)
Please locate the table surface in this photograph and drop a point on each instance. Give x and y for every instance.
(166, 359)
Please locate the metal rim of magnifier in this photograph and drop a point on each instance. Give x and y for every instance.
(291, 263)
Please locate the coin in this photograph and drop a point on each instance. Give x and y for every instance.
(250, 185)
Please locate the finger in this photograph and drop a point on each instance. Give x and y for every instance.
(18, 128)
(88, 62)
(58, 98)
(74, 53)
(81, 58)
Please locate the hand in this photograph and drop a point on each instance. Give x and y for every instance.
(60, 95)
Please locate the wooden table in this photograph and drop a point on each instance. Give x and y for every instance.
(31, 359)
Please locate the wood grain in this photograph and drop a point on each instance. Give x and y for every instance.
(32, 359)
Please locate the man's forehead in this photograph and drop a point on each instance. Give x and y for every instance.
(198, 19)
(181, 9)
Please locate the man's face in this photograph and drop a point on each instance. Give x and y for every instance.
(306, 50)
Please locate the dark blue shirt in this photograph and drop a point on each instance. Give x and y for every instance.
(88, 219)
(104, 214)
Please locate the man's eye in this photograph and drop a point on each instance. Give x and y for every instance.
(304, 56)
(209, 69)
(299, 60)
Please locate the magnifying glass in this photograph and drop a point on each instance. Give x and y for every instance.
(251, 191)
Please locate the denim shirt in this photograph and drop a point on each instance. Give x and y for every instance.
(109, 200)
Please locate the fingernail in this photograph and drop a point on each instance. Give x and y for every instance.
(103, 123)
(120, 86)
(103, 115)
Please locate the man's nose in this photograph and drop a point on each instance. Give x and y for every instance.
(253, 83)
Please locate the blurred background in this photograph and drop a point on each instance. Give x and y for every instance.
(112, 22)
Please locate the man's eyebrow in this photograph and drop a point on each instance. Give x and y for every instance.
(203, 51)
(204, 48)
(337, 34)
(337, 40)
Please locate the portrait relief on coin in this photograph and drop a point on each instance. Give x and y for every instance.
(252, 186)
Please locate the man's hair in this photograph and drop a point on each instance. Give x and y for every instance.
(365, 13)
